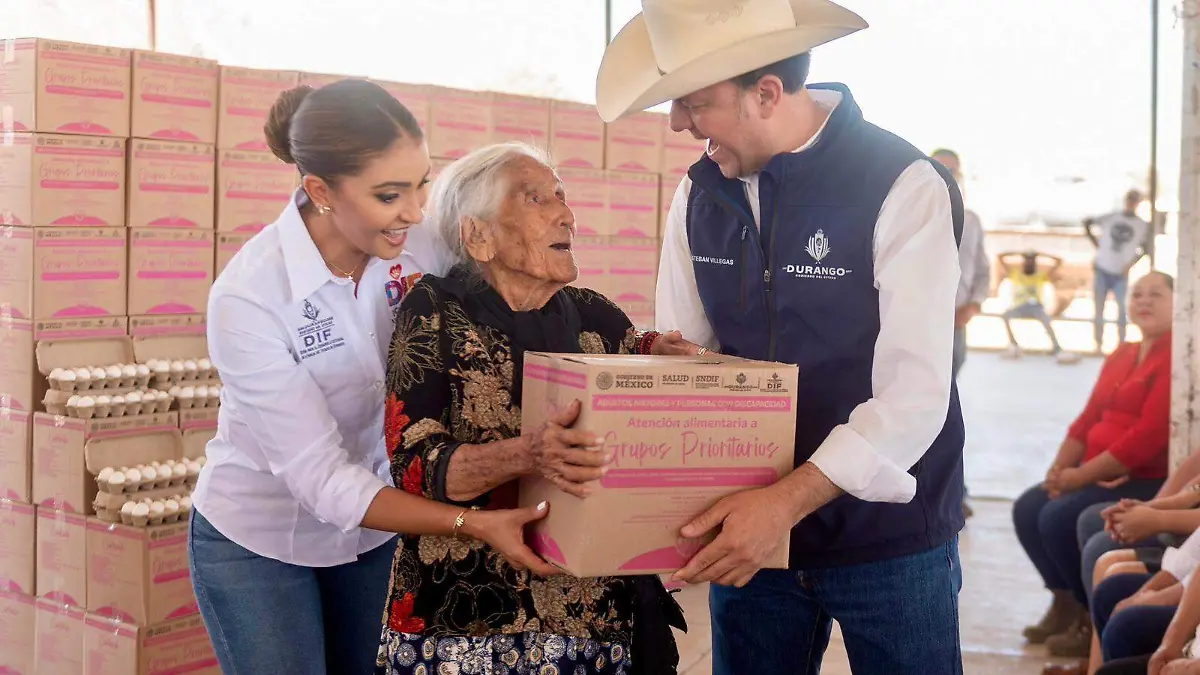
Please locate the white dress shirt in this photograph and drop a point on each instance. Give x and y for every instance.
(976, 280)
(299, 452)
(917, 274)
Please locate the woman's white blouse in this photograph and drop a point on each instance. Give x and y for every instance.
(299, 453)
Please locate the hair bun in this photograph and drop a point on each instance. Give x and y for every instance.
(279, 121)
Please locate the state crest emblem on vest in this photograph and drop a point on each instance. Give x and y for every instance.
(818, 246)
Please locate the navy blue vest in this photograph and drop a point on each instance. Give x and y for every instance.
(803, 292)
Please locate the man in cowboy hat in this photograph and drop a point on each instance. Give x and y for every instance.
(807, 235)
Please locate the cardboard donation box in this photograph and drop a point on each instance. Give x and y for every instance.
(174, 97)
(576, 135)
(179, 646)
(17, 630)
(635, 143)
(62, 557)
(170, 270)
(588, 197)
(246, 97)
(253, 188)
(52, 180)
(684, 432)
(228, 244)
(16, 465)
(521, 118)
(47, 85)
(139, 575)
(415, 97)
(79, 272)
(633, 204)
(16, 365)
(172, 184)
(16, 548)
(58, 642)
(460, 121)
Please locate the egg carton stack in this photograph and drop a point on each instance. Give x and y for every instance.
(190, 383)
(98, 392)
(157, 493)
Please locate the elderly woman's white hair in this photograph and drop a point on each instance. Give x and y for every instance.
(474, 187)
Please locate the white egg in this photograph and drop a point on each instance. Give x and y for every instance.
(172, 506)
(179, 471)
(73, 402)
(202, 393)
(133, 397)
(193, 469)
(157, 508)
(66, 376)
(98, 373)
(56, 373)
(149, 474)
(113, 372)
(162, 367)
(104, 474)
(162, 396)
(133, 476)
(83, 374)
(169, 462)
(103, 400)
(174, 391)
(177, 367)
(118, 400)
(87, 402)
(187, 392)
(143, 370)
(141, 509)
(129, 371)
(202, 460)
(204, 364)
(185, 503)
(190, 368)
(117, 479)
(151, 364)
(128, 507)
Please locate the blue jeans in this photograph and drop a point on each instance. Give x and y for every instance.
(897, 616)
(266, 616)
(1134, 631)
(1103, 284)
(1047, 529)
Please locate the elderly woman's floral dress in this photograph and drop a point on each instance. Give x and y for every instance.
(456, 606)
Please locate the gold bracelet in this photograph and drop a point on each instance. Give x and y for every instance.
(461, 519)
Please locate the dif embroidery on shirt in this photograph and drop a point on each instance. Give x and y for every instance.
(818, 248)
(316, 337)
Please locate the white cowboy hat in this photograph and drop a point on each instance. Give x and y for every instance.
(676, 47)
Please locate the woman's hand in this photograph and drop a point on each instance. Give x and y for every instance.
(1135, 524)
(672, 343)
(1064, 482)
(1181, 667)
(504, 530)
(1163, 656)
(569, 458)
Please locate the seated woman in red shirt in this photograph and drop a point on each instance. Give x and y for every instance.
(1122, 434)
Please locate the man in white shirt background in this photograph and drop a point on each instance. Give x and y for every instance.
(1122, 241)
(807, 235)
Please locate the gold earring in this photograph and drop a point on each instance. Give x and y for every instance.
(323, 210)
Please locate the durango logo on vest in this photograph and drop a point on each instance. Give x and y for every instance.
(818, 247)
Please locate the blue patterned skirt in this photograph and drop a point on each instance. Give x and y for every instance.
(521, 654)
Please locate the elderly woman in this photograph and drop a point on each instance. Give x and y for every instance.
(454, 430)
(1116, 449)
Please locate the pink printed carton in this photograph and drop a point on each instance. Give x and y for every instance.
(245, 100)
(16, 441)
(684, 431)
(576, 135)
(318, 80)
(460, 121)
(633, 276)
(253, 188)
(62, 557)
(521, 118)
(16, 365)
(592, 259)
(172, 184)
(174, 98)
(79, 272)
(635, 143)
(588, 197)
(668, 186)
(415, 97)
(47, 85)
(50, 180)
(139, 575)
(16, 272)
(178, 646)
(18, 625)
(16, 548)
(680, 152)
(59, 638)
(170, 270)
(633, 204)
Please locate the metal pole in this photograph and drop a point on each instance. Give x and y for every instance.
(1153, 191)
(153, 27)
(608, 36)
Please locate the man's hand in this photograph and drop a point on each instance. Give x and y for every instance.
(672, 343)
(964, 314)
(1180, 667)
(752, 526)
(1163, 656)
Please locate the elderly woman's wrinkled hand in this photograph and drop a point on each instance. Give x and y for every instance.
(569, 458)
(672, 343)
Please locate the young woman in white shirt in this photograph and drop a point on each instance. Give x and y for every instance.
(292, 537)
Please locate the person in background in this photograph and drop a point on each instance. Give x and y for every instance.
(454, 433)
(1029, 278)
(1179, 651)
(1122, 432)
(975, 271)
(292, 535)
(975, 277)
(1123, 239)
(807, 235)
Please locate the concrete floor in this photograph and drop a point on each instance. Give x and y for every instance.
(1016, 413)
